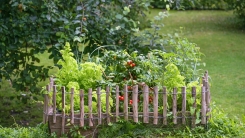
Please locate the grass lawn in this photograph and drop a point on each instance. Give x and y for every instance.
(224, 47)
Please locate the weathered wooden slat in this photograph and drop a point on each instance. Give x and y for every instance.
(90, 111)
(54, 103)
(117, 103)
(72, 106)
(108, 104)
(81, 108)
(45, 106)
(125, 102)
(63, 110)
(194, 106)
(135, 103)
(175, 105)
(145, 104)
(208, 100)
(203, 106)
(183, 105)
(165, 105)
(155, 104)
(99, 105)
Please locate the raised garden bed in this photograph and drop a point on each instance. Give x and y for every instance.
(61, 122)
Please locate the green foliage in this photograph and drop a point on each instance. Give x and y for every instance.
(186, 56)
(29, 27)
(124, 129)
(40, 131)
(220, 125)
(239, 10)
(193, 4)
(78, 76)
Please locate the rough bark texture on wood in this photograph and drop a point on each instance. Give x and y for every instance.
(175, 105)
(117, 103)
(126, 102)
(46, 105)
(145, 104)
(108, 104)
(183, 104)
(72, 106)
(155, 103)
(99, 105)
(135, 103)
(203, 108)
(63, 110)
(194, 106)
(90, 109)
(81, 108)
(165, 105)
(54, 103)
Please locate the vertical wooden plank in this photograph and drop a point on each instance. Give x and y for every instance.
(99, 105)
(90, 107)
(165, 105)
(108, 104)
(207, 95)
(63, 110)
(203, 106)
(155, 103)
(183, 105)
(194, 106)
(146, 104)
(72, 106)
(45, 106)
(135, 103)
(117, 103)
(81, 108)
(54, 103)
(126, 102)
(175, 105)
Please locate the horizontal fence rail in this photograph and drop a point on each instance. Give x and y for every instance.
(130, 110)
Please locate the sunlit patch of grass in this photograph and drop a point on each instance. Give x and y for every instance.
(223, 45)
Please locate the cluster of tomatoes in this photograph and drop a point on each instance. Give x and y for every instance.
(121, 98)
(130, 63)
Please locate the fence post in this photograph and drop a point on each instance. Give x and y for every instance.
(72, 106)
(46, 104)
(194, 106)
(117, 103)
(183, 105)
(175, 105)
(90, 109)
(207, 95)
(165, 103)
(145, 104)
(155, 100)
(135, 103)
(126, 102)
(203, 108)
(63, 110)
(108, 104)
(54, 104)
(81, 108)
(99, 105)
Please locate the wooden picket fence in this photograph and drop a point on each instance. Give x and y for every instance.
(58, 120)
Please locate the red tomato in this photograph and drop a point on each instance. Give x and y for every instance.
(132, 65)
(130, 101)
(129, 88)
(129, 62)
(122, 98)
